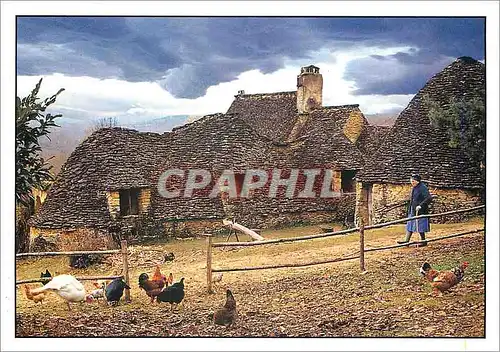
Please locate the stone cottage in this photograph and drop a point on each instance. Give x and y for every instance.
(414, 146)
(110, 182)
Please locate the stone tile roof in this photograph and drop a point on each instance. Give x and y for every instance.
(272, 115)
(109, 159)
(324, 141)
(413, 145)
(370, 139)
(255, 133)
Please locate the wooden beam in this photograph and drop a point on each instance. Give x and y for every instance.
(283, 240)
(84, 278)
(428, 240)
(298, 265)
(342, 232)
(48, 254)
(377, 226)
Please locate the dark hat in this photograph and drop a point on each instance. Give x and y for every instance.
(416, 177)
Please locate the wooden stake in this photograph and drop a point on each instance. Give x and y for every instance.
(125, 269)
(361, 245)
(209, 263)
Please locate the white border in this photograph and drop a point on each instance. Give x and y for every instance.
(368, 8)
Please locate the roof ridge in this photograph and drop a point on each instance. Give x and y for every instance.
(123, 129)
(198, 121)
(292, 92)
(339, 106)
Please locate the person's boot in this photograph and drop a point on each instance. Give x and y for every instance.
(407, 238)
(423, 242)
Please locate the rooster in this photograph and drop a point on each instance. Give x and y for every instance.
(442, 281)
(158, 276)
(152, 287)
(227, 314)
(65, 286)
(33, 296)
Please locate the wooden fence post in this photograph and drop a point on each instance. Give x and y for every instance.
(125, 268)
(209, 263)
(361, 245)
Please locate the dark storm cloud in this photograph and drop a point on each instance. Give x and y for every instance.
(188, 55)
(401, 73)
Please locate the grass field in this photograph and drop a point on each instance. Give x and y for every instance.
(391, 299)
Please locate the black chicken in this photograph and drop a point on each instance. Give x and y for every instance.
(47, 276)
(169, 257)
(172, 294)
(114, 291)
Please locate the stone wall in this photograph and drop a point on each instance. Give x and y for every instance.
(144, 200)
(256, 213)
(81, 239)
(387, 202)
(193, 228)
(354, 126)
(113, 199)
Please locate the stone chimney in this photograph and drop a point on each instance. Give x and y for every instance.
(309, 89)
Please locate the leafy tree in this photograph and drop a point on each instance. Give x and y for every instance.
(32, 171)
(464, 121)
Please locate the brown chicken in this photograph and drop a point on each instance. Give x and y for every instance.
(442, 281)
(227, 314)
(35, 297)
(152, 287)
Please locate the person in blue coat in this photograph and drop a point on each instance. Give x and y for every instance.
(420, 199)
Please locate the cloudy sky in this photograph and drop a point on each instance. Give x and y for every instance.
(143, 68)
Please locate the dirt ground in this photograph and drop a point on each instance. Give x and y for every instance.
(391, 299)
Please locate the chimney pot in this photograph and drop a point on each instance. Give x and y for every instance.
(309, 89)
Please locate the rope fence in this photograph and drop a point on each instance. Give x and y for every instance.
(361, 229)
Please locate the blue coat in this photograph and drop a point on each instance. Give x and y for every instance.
(419, 195)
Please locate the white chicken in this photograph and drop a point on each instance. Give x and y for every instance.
(67, 287)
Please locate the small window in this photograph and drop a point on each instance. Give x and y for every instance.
(348, 182)
(239, 178)
(129, 202)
